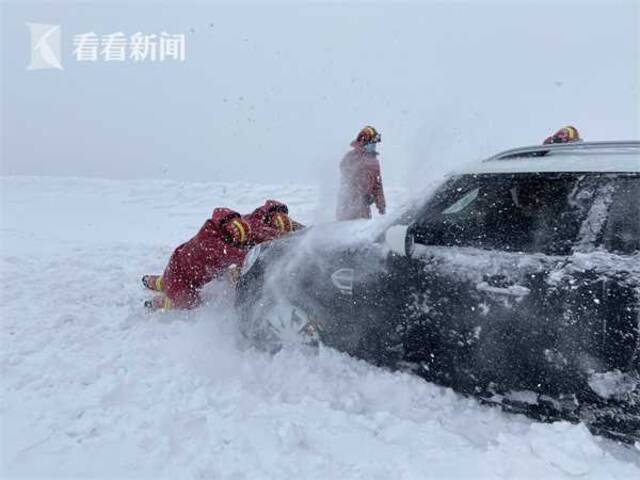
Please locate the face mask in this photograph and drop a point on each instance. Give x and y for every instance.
(370, 147)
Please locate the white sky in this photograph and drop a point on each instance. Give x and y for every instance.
(274, 93)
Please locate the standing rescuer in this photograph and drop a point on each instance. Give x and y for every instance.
(361, 181)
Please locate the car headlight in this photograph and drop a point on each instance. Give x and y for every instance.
(250, 259)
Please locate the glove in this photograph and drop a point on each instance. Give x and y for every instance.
(233, 273)
(297, 225)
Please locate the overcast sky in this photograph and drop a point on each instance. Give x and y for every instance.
(274, 92)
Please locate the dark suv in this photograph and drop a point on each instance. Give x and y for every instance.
(517, 281)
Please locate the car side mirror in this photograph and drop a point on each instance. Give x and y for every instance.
(399, 240)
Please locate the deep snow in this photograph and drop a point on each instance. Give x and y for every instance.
(92, 386)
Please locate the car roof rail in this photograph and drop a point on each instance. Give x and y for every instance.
(544, 150)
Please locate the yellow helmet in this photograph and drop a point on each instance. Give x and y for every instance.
(566, 134)
(368, 135)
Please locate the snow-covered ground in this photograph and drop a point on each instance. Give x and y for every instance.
(92, 386)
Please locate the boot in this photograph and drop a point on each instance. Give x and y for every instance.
(153, 282)
(160, 302)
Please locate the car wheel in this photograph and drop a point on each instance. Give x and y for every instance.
(276, 325)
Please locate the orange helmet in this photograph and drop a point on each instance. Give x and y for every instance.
(566, 134)
(368, 135)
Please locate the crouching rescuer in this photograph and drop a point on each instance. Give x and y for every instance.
(220, 245)
(217, 251)
(270, 221)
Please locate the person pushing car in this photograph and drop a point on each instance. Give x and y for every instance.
(270, 221)
(220, 244)
(216, 251)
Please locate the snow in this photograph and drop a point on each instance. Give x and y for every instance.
(611, 384)
(92, 386)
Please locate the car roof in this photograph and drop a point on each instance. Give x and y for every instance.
(621, 156)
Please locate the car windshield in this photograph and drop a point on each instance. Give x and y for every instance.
(527, 212)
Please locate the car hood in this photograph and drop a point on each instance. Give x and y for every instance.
(332, 236)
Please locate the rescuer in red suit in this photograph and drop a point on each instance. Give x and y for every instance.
(361, 181)
(270, 221)
(220, 245)
(568, 134)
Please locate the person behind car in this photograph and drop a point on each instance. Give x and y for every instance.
(568, 134)
(270, 221)
(361, 181)
(219, 246)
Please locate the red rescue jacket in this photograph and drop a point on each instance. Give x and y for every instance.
(200, 260)
(261, 228)
(360, 185)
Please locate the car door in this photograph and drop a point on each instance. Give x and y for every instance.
(476, 306)
(602, 281)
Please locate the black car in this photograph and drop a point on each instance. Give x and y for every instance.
(517, 281)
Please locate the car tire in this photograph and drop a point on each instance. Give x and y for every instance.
(273, 324)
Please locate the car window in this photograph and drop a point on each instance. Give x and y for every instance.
(621, 233)
(462, 203)
(516, 212)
